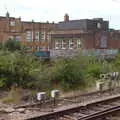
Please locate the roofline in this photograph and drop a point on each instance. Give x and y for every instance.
(37, 22)
(94, 19)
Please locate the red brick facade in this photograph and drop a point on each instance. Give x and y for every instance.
(33, 34)
(86, 34)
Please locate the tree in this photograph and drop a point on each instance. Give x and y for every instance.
(12, 45)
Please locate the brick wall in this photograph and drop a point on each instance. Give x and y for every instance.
(14, 28)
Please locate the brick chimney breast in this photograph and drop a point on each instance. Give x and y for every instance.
(66, 18)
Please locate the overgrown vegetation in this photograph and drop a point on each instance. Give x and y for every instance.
(14, 96)
(28, 71)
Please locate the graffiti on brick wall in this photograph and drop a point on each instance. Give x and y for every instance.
(104, 40)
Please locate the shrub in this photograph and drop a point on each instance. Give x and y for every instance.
(68, 73)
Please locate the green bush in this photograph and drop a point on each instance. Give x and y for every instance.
(17, 68)
(28, 71)
(68, 73)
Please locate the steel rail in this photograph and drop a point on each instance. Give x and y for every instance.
(75, 109)
(100, 114)
(62, 99)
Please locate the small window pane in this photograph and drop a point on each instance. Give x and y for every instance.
(12, 23)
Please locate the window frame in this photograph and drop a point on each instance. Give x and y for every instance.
(12, 23)
(70, 43)
(29, 36)
(78, 43)
(37, 36)
(58, 44)
(42, 36)
(62, 44)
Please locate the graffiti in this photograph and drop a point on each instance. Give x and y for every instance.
(104, 40)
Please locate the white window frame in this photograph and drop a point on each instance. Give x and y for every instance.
(37, 36)
(63, 43)
(70, 43)
(42, 38)
(48, 36)
(29, 36)
(79, 43)
(57, 44)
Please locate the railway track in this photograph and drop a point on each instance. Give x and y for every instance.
(47, 111)
(74, 99)
(93, 110)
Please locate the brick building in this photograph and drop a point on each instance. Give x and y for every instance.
(70, 36)
(33, 34)
(65, 38)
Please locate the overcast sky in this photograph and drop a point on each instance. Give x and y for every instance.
(54, 10)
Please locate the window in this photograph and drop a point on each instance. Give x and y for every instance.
(98, 25)
(29, 36)
(47, 36)
(37, 36)
(11, 37)
(70, 44)
(17, 38)
(12, 23)
(12, 30)
(42, 36)
(57, 44)
(38, 48)
(78, 43)
(63, 44)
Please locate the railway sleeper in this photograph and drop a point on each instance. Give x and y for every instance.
(69, 117)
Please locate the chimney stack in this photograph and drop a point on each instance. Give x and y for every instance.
(7, 15)
(66, 18)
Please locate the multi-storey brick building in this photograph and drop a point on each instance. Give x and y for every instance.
(33, 34)
(65, 38)
(70, 36)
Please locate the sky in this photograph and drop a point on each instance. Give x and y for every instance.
(54, 10)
